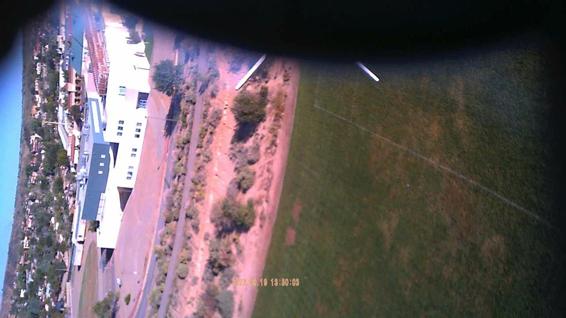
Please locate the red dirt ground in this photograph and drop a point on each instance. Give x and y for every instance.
(220, 170)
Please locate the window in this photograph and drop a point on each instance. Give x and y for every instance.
(119, 133)
(142, 100)
(130, 173)
(100, 172)
(101, 164)
(128, 178)
(138, 124)
(131, 168)
(122, 91)
(120, 128)
(134, 149)
(102, 156)
(120, 122)
(138, 130)
(133, 155)
(137, 135)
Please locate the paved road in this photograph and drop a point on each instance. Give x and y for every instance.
(163, 49)
(141, 313)
(180, 230)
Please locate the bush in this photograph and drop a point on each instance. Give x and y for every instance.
(182, 271)
(225, 303)
(226, 278)
(215, 118)
(233, 216)
(108, 306)
(249, 108)
(246, 179)
(221, 256)
(185, 256)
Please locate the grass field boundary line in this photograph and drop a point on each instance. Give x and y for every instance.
(440, 167)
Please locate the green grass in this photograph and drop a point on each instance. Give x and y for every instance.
(89, 283)
(383, 231)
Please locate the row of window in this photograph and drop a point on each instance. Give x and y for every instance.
(121, 128)
(130, 173)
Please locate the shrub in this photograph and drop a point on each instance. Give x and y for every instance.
(108, 306)
(246, 179)
(185, 256)
(233, 216)
(226, 278)
(182, 271)
(253, 154)
(215, 118)
(179, 169)
(225, 303)
(221, 256)
(249, 108)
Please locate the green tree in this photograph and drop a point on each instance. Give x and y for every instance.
(76, 114)
(62, 158)
(167, 77)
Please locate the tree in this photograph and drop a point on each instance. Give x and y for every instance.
(58, 185)
(108, 306)
(249, 108)
(76, 114)
(35, 126)
(167, 77)
(62, 158)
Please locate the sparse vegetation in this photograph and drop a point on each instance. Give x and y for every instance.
(108, 306)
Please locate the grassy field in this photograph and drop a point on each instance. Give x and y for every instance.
(424, 195)
(89, 283)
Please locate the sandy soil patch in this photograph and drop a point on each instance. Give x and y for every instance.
(290, 236)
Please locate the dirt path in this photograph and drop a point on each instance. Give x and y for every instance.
(220, 170)
(256, 242)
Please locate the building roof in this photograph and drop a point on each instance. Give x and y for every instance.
(95, 120)
(126, 60)
(77, 27)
